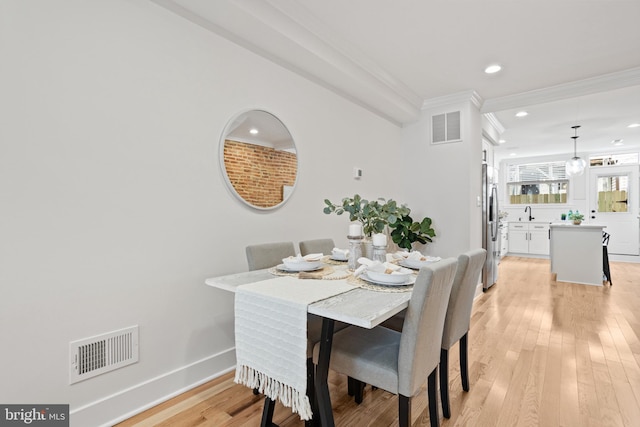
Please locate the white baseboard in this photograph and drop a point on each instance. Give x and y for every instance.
(126, 403)
(624, 258)
(515, 254)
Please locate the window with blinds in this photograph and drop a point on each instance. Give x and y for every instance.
(537, 183)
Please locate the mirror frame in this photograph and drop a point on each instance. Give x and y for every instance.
(223, 169)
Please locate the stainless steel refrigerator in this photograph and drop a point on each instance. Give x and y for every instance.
(490, 227)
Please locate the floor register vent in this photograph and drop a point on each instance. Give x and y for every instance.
(103, 353)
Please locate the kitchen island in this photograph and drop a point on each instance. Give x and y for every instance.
(576, 252)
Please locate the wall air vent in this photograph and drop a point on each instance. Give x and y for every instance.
(103, 353)
(445, 128)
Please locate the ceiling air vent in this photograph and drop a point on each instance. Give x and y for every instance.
(445, 128)
(103, 353)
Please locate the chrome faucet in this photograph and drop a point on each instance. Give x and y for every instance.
(529, 208)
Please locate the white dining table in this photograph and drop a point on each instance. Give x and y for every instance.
(360, 307)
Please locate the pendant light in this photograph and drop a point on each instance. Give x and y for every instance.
(575, 166)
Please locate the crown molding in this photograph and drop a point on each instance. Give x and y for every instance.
(285, 33)
(493, 121)
(454, 98)
(344, 50)
(477, 100)
(603, 83)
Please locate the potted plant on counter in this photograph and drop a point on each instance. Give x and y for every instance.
(405, 232)
(576, 217)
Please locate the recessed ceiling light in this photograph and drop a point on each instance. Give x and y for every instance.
(513, 154)
(253, 131)
(521, 114)
(634, 125)
(617, 142)
(501, 141)
(494, 68)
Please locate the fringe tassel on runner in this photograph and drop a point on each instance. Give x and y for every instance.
(275, 390)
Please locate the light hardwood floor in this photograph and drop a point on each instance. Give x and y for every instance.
(541, 353)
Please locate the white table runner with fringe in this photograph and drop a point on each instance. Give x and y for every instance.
(271, 336)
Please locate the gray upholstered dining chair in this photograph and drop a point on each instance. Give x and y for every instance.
(316, 246)
(267, 255)
(456, 324)
(401, 362)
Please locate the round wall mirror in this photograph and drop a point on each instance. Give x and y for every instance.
(258, 159)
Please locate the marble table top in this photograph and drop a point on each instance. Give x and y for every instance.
(360, 307)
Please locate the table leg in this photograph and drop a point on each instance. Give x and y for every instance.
(322, 373)
(311, 394)
(267, 413)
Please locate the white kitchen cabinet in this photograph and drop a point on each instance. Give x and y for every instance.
(518, 238)
(504, 241)
(529, 238)
(539, 239)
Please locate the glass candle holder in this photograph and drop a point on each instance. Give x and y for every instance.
(379, 253)
(355, 251)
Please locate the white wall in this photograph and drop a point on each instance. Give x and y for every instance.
(114, 210)
(444, 180)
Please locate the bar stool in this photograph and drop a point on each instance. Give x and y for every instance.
(605, 257)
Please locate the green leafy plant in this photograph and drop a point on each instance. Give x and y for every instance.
(374, 215)
(577, 216)
(405, 232)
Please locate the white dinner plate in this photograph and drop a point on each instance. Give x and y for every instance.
(416, 264)
(283, 267)
(338, 258)
(410, 281)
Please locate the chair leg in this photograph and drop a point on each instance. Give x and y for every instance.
(267, 413)
(358, 387)
(432, 392)
(464, 362)
(355, 388)
(444, 382)
(351, 391)
(404, 411)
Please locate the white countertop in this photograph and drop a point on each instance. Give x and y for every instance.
(583, 225)
(528, 222)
